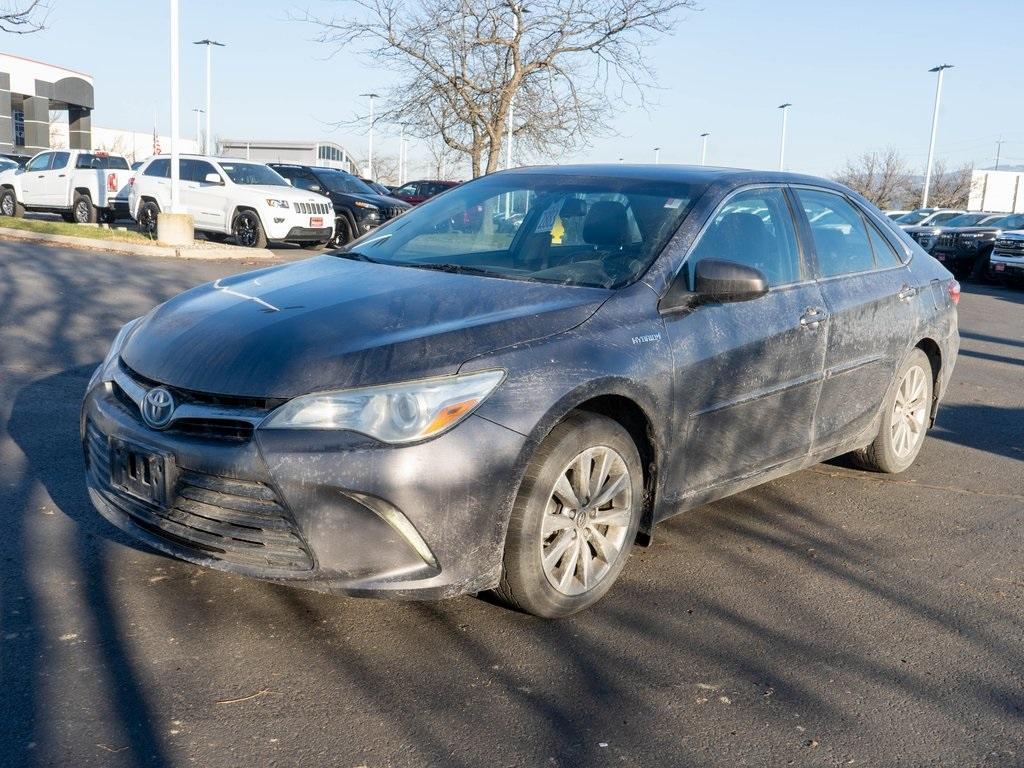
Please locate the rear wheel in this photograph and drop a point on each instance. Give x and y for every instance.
(575, 518)
(83, 209)
(905, 416)
(9, 205)
(147, 216)
(248, 230)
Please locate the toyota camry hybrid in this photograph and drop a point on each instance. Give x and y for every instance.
(508, 386)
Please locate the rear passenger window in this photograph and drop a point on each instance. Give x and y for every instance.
(885, 254)
(60, 159)
(754, 228)
(839, 232)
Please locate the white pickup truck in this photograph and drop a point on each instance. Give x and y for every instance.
(83, 187)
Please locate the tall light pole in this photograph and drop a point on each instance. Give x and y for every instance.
(209, 44)
(369, 149)
(199, 111)
(175, 117)
(657, 155)
(935, 127)
(999, 150)
(704, 147)
(782, 145)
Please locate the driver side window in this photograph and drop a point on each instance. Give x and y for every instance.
(40, 162)
(754, 228)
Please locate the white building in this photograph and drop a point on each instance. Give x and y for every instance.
(999, 191)
(134, 145)
(323, 153)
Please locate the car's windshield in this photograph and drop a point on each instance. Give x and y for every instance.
(913, 217)
(339, 181)
(252, 173)
(967, 219)
(942, 218)
(1013, 221)
(598, 231)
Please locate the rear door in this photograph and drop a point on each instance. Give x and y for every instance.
(748, 373)
(872, 313)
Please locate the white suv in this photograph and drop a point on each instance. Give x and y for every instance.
(228, 197)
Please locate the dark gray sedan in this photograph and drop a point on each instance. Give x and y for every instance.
(508, 386)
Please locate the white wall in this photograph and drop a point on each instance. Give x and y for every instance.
(135, 145)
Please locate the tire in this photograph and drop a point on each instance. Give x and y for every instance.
(546, 521)
(147, 216)
(68, 216)
(215, 237)
(9, 205)
(248, 230)
(312, 246)
(83, 210)
(342, 232)
(890, 451)
(108, 217)
(979, 271)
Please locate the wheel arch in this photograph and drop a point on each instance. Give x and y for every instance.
(933, 351)
(84, 192)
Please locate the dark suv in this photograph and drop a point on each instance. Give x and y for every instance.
(415, 192)
(965, 250)
(357, 208)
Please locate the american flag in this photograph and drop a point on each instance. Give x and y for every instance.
(156, 142)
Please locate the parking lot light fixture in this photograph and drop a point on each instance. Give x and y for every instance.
(704, 147)
(209, 44)
(782, 144)
(935, 126)
(369, 148)
(657, 155)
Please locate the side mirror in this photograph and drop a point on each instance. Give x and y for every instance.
(715, 280)
(213, 178)
(315, 188)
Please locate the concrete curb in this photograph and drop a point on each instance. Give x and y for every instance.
(204, 251)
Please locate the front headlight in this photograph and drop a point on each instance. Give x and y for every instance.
(392, 413)
(105, 369)
(278, 203)
(367, 206)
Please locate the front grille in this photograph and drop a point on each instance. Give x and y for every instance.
(204, 398)
(219, 429)
(1011, 246)
(312, 208)
(946, 241)
(237, 521)
(391, 212)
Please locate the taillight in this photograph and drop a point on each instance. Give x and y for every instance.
(112, 182)
(954, 291)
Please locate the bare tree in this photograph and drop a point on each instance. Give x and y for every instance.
(461, 64)
(384, 169)
(949, 189)
(23, 17)
(882, 177)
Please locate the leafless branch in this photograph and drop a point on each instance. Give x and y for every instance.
(23, 18)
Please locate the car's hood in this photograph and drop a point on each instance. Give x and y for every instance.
(277, 192)
(960, 230)
(330, 323)
(378, 200)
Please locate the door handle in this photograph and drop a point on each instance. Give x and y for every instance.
(61, 175)
(907, 292)
(812, 317)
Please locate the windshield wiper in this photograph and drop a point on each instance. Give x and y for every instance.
(455, 269)
(355, 256)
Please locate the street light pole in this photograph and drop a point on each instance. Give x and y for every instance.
(782, 145)
(999, 150)
(935, 127)
(657, 155)
(175, 117)
(209, 44)
(369, 149)
(199, 111)
(704, 147)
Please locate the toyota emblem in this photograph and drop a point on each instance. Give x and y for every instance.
(157, 408)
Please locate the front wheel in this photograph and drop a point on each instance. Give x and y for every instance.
(342, 233)
(575, 518)
(248, 230)
(9, 205)
(905, 416)
(147, 216)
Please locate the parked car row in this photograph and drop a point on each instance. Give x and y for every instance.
(967, 242)
(251, 202)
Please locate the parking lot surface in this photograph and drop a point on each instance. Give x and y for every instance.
(832, 617)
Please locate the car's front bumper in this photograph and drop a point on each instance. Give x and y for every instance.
(328, 511)
(1006, 266)
(309, 235)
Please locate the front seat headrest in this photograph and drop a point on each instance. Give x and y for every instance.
(606, 224)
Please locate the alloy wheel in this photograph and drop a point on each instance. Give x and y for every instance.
(909, 412)
(586, 520)
(245, 231)
(8, 205)
(82, 212)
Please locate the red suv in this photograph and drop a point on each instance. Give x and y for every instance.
(415, 192)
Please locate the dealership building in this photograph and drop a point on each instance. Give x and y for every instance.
(326, 154)
(29, 91)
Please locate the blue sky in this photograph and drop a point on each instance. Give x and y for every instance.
(856, 73)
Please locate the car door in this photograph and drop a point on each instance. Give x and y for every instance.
(871, 307)
(58, 180)
(33, 180)
(409, 192)
(747, 373)
(157, 182)
(204, 199)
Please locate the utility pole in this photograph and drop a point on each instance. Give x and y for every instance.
(369, 149)
(209, 45)
(782, 145)
(935, 127)
(704, 148)
(999, 150)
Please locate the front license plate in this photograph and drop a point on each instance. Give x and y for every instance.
(139, 471)
(316, 221)
(1000, 267)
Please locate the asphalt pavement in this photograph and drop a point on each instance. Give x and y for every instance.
(833, 617)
